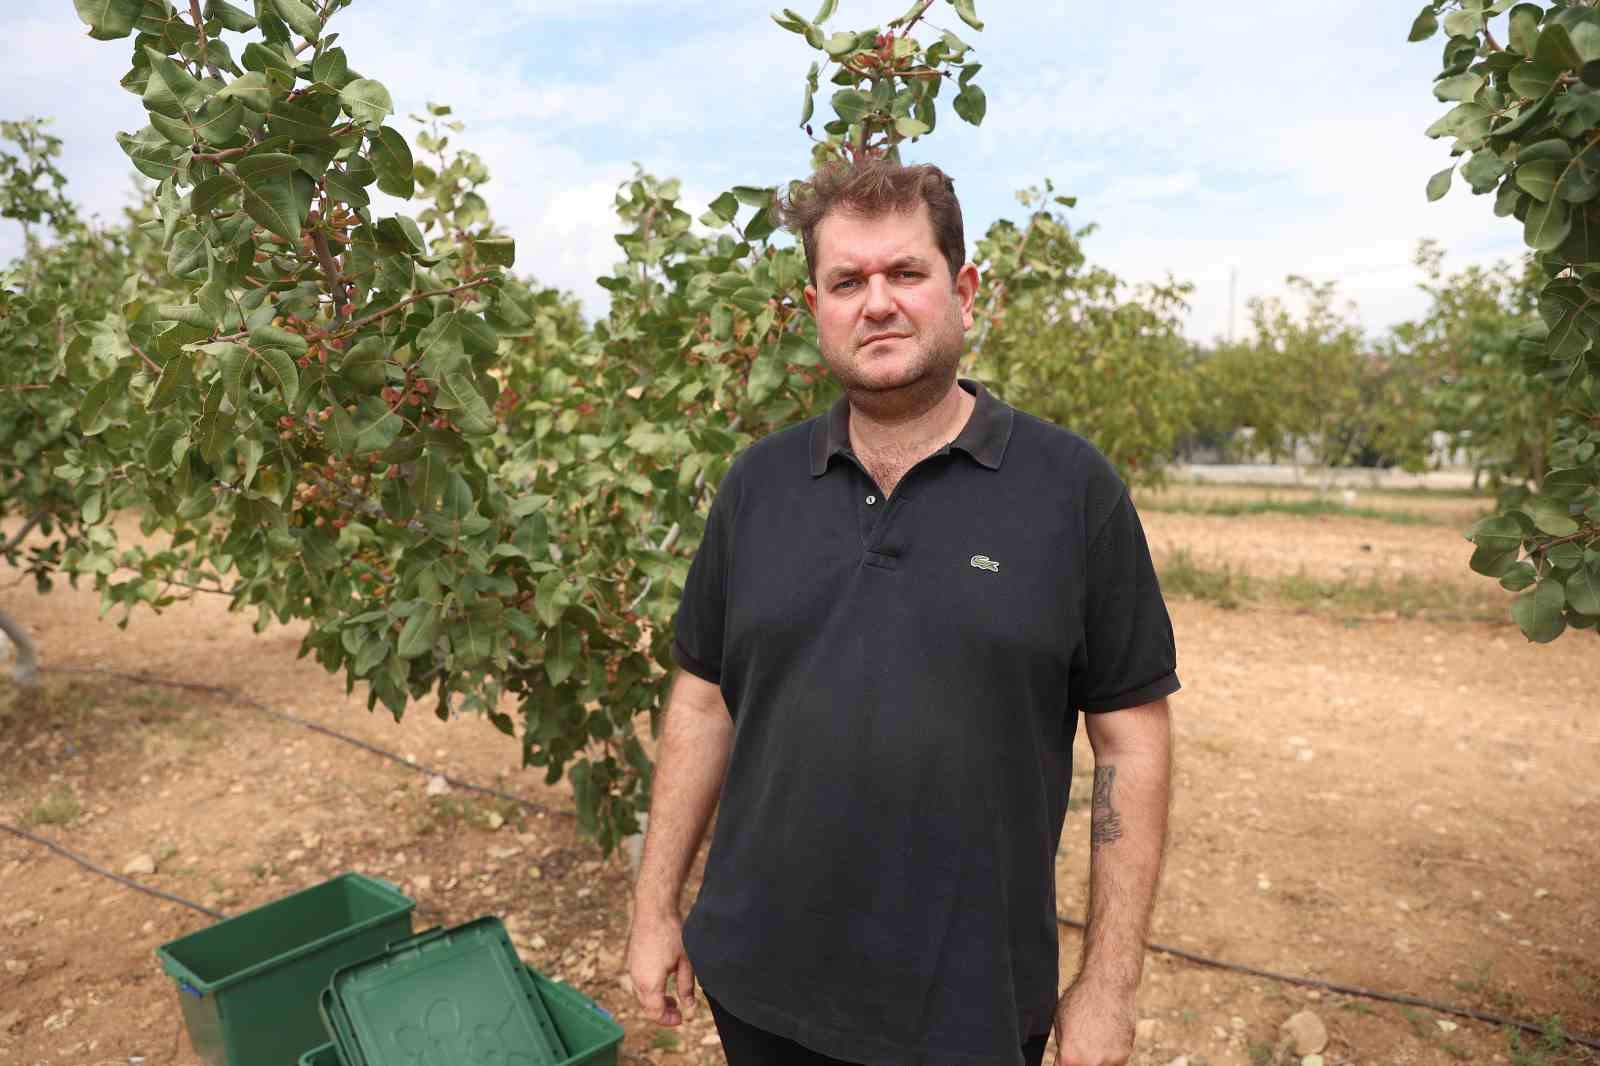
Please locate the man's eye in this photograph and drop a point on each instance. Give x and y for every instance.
(844, 283)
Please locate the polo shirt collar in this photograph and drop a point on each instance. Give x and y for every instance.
(984, 437)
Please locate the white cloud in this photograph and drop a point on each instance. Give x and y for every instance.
(1265, 140)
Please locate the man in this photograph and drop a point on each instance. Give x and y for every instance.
(897, 612)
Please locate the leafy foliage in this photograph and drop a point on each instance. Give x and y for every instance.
(1066, 341)
(1314, 379)
(1526, 115)
(366, 422)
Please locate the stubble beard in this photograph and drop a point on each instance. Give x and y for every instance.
(920, 389)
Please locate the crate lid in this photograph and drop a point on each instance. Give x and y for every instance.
(446, 995)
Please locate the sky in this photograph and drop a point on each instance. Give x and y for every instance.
(1227, 148)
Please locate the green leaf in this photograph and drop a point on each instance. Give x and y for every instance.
(767, 373)
(1523, 35)
(1547, 225)
(171, 90)
(561, 647)
(1499, 533)
(495, 251)
(910, 127)
(461, 397)
(1583, 590)
(1555, 50)
(277, 368)
(270, 336)
(211, 192)
(1424, 25)
(1518, 577)
(231, 17)
(1491, 562)
(851, 104)
(1461, 87)
(391, 158)
(92, 414)
(270, 196)
(300, 16)
(367, 102)
(1533, 79)
(419, 633)
(428, 480)
(340, 431)
(1439, 184)
(969, 15)
(1538, 178)
(109, 19)
(252, 89)
(1538, 611)
(825, 12)
(158, 451)
(366, 364)
(232, 359)
(1463, 23)
(840, 45)
(1483, 171)
(1550, 516)
(971, 104)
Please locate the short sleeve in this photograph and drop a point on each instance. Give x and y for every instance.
(1127, 656)
(697, 630)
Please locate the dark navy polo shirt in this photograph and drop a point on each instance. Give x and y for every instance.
(905, 676)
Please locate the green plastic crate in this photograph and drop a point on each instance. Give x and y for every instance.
(462, 994)
(592, 1038)
(326, 1055)
(248, 985)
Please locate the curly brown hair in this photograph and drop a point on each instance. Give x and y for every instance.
(873, 187)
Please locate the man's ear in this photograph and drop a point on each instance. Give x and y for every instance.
(811, 299)
(967, 292)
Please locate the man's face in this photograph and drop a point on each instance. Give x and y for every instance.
(889, 318)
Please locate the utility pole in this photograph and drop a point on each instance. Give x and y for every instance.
(1233, 285)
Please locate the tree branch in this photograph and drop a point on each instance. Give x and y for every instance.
(27, 527)
(409, 300)
(149, 364)
(26, 673)
(200, 35)
(330, 268)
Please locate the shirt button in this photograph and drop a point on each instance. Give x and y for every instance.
(871, 500)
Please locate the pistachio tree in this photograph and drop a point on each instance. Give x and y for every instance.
(1523, 82)
(370, 424)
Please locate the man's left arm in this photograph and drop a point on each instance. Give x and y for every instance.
(1127, 835)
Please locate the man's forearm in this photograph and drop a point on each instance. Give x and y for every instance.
(1128, 830)
(696, 736)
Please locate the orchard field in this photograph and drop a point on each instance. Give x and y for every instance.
(1380, 783)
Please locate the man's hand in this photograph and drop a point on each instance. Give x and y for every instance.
(1093, 1028)
(657, 965)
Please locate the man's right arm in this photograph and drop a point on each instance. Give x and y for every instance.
(696, 737)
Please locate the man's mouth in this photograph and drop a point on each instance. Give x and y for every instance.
(882, 337)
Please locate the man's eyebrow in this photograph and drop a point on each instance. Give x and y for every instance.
(847, 269)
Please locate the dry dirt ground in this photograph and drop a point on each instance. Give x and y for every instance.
(1363, 795)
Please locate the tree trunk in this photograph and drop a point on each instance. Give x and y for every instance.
(26, 673)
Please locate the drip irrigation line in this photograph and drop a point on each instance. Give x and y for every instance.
(316, 727)
(1163, 949)
(1344, 989)
(128, 881)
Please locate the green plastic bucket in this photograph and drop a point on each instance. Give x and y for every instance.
(248, 985)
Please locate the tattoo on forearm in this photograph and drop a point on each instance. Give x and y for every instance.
(1105, 824)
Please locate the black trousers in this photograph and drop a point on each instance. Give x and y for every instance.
(745, 1045)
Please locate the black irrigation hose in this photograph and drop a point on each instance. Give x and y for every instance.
(1346, 990)
(1164, 949)
(87, 865)
(255, 705)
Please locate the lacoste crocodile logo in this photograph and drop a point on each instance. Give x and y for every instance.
(983, 562)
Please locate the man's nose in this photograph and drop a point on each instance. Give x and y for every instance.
(880, 301)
